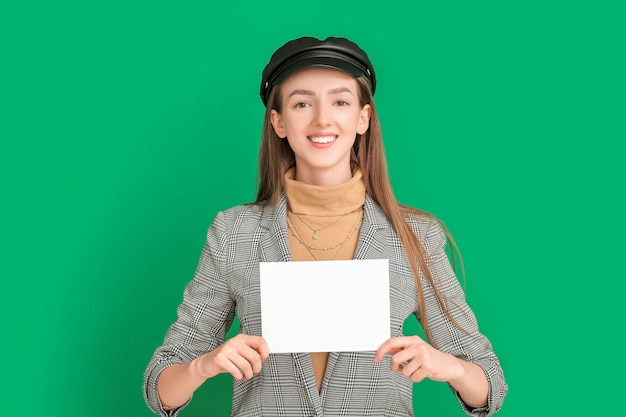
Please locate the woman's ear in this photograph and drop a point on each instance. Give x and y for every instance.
(277, 124)
(364, 119)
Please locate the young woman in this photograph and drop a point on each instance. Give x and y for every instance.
(324, 194)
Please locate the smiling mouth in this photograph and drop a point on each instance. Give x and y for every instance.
(321, 139)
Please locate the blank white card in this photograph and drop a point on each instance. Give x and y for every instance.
(325, 306)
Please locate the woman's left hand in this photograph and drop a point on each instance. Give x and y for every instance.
(417, 360)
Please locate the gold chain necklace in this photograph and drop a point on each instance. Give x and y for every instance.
(296, 233)
(315, 236)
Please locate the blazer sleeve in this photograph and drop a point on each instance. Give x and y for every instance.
(204, 316)
(469, 345)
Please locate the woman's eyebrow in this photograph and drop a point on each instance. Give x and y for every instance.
(302, 92)
(339, 90)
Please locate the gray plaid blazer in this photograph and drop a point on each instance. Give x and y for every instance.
(227, 278)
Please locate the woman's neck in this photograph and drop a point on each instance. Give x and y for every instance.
(325, 178)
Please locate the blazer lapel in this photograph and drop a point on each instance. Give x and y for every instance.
(371, 244)
(274, 241)
(274, 245)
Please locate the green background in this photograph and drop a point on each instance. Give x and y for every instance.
(125, 126)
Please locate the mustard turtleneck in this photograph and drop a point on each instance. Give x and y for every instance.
(324, 217)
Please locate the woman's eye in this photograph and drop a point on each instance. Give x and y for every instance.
(341, 103)
(301, 105)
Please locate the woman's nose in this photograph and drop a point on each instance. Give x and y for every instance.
(322, 115)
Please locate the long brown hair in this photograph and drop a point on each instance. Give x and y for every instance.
(276, 157)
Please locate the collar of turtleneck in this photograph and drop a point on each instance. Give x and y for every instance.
(324, 200)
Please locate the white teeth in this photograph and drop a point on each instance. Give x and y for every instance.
(322, 139)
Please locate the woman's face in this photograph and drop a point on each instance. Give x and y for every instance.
(320, 118)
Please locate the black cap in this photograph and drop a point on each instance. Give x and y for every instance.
(338, 53)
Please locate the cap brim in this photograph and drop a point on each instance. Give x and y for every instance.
(325, 62)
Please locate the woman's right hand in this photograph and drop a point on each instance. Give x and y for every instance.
(241, 356)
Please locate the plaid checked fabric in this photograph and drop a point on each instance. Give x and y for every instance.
(227, 279)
